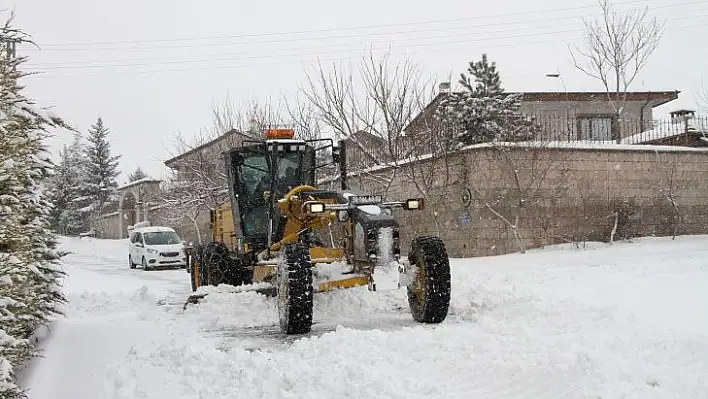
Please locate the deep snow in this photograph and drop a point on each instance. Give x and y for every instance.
(628, 320)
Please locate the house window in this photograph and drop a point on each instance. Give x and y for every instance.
(595, 128)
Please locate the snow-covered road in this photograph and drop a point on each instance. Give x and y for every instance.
(622, 321)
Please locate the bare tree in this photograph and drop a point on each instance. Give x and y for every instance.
(199, 183)
(372, 107)
(251, 117)
(703, 100)
(668, 191)
(616, 47)
(178, 201)
(512, 178)
(303, 118)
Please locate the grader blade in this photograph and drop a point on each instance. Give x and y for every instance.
(330, 285)
(193, 299)
(267, 291)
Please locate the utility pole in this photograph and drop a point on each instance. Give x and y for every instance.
(11, 48)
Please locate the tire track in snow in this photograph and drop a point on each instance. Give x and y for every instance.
(354, 308)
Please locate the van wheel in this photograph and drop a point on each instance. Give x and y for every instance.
(130, 262)
(145, 265)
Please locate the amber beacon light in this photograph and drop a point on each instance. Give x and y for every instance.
(280, 134)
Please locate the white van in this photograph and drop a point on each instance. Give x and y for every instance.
(155, 246)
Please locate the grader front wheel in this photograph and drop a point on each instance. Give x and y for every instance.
(429, 292)
(294, 280)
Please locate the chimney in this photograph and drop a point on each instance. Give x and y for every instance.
(444, 87)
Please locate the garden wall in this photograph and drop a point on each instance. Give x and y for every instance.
(490, 200)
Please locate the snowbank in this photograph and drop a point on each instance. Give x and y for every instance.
(626, 320)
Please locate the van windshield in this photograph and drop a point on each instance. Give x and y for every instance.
(161, 238)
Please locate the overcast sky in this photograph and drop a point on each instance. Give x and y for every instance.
(153, 68)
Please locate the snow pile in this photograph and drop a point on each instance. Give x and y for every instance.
(626, 320)
(221, 310)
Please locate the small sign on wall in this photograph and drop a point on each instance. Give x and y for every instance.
(466, 198)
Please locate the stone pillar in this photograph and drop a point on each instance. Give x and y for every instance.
(138, 205)
(120, 222)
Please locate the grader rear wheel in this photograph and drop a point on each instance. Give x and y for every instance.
(429, 293)
(294, 281)
(221, 267)
(216, 262)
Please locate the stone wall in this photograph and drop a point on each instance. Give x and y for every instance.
(553, 195)
(109, 226)
(569, 194)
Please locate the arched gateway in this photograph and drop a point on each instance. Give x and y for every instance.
(132, 207)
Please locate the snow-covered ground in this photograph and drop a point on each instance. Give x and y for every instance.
(623, 321)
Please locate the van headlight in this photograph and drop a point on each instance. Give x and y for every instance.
(152, 251)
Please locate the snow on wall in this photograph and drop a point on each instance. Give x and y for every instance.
(577, 145)
(137, 182)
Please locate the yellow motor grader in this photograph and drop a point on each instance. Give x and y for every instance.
(278, 229)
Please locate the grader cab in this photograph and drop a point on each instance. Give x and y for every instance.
(280, 230)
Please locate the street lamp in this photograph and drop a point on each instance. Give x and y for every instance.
(558, 76)
(567, 111)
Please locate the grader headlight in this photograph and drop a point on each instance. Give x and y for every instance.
(315, 207)
(413, 204)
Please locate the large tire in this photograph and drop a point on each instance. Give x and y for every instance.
(216, 263)
(294, 281)
(222, 268)
(240, 275)
(429, 293)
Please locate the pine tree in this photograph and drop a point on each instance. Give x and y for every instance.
(137, 175)
(29, 290)
(486, 77)
(60, 190)
(66, 218)
(101, 169)
(483, 112)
